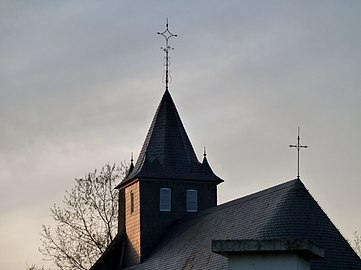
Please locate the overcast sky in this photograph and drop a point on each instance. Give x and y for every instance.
(80, 82)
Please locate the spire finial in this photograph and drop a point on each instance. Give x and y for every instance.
(167, 35)
(298, 146)
(131, 158)
(204, 152)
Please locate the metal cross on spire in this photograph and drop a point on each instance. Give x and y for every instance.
(167, 35)
(298, 146)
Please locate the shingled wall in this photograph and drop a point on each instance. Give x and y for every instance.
(132, 225)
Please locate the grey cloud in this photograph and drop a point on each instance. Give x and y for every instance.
(80, 82)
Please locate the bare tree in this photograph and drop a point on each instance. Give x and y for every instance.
(34, 267)
(357, 243)
(86, 223)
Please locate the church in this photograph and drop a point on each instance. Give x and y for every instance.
(169, 217)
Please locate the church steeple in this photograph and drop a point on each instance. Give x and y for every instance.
(167, 151)
(167, 183)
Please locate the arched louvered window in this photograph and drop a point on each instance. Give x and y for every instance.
(165, 199)
(192, 200)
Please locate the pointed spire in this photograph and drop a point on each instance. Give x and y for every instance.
(204, 162)
(131, 166)
(167, 151)
(206, 168)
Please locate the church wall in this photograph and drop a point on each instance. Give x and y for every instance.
(154, 223)
(132, 224)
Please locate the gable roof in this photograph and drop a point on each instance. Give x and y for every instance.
(167, 151)
(281, 212)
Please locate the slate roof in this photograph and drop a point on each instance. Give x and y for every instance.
(167, 151)
(112, 258)
(286, 211)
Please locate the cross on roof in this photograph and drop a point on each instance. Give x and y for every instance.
(167, 35)
(298, 146)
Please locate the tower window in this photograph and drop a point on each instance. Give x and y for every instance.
(131, 202)
(192, 200)
(165, 199)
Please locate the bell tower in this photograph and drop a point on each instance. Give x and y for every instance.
(166, 184)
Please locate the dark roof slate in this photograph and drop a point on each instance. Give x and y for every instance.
(112, 256)
(167, 151)
(286, 211)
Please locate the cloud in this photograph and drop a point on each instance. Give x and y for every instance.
(80, 82)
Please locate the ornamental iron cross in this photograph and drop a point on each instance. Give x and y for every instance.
(298, 146)
(167, 35)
